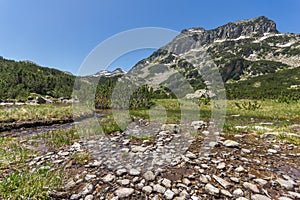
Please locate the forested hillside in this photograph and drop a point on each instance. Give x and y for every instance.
(20, 79)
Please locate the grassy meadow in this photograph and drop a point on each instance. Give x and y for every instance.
(18, 179)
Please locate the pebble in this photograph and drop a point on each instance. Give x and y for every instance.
(124, 182)
(108, 178)
(158, 188)
(121, 172)
(166, 182)
(261, 182)
(169, 194)
(124, 192)
(221, 165)
(238, 193)
(147, 189)
(251, 187)
(225, 184)
(149, 176)
(211, 189)
(289, 184)
(272, 151)
(231, 143)
(259, 197)
(239, 169)
(134, 172)
(203, 179)
(89, 197)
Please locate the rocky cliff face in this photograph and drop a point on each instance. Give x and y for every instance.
(199, 37)
(241, 50)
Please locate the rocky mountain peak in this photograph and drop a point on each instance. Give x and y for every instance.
(194, 38)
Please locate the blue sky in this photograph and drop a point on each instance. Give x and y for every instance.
(61, 33)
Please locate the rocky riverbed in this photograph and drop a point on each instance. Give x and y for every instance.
(241, 166)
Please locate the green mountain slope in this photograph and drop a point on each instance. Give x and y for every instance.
(19, 79)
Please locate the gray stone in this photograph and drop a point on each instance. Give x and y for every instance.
(261, 182)
(211, 189)
(108, 178)
(198, 124)
(272, 151)
(203, 179)
(88, 189)
(158, 188)
(259, 197)
(186, 181)
(238, 193)
(289, 184)
(175, 128)
(234, 179)
(134, 172)
(121, 172)
(251, 187)
(231, 143)
(89, 197)
(225, 184)
(147, 189)
(169, 194)
(124, 192)
(89, 177)
(246, 151)
(239, 169)
(284, 198)
(149, 176)
(191, 155)
(226, 193)
(75, 196)
(294, 194)
(221, 165)
(166, 182)
(124, 182)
